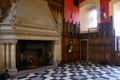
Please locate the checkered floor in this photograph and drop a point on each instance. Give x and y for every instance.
(76, 71)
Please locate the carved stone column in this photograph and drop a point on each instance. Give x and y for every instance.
(7, 55)
(13, 58)
(13, 55)
(55, 51)
(2, 57)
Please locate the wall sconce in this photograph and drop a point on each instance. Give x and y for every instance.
(104, 15)
(70, 46)
(71, 14)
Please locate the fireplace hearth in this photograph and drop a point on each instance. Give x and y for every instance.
(33, 54)
(33, 58)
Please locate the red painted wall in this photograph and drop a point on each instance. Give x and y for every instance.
(71, 12)
(104, 4)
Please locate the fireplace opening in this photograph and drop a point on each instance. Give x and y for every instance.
(33, 54)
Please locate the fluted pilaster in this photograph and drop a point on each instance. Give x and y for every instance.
(13, 56)
(55, 52)
(2, 57)
(7, 55)
(13, 69)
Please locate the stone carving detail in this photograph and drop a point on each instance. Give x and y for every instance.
(14, 7)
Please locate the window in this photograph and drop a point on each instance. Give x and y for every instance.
(117, 23)
(88, 18)
(117, 18)
(93, 18)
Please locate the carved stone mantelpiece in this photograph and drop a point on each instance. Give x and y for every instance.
(30, 23)
(19, 32)
(39, 26)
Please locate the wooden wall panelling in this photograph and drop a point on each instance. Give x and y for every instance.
(76, 48)
(115, 57)
(70, 36)
(56, 7)
(100, 44)
(64, 29)
(68, 56)
(63, 47)
(106, 30)
(84, 49)
(92, 50)
(99, 50)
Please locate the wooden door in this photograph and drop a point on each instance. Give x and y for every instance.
(84, 49)
(72, 56)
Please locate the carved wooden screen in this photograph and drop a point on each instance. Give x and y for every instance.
(70, 43)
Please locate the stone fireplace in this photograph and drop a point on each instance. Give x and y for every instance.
(29, 30)
(34, 54)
